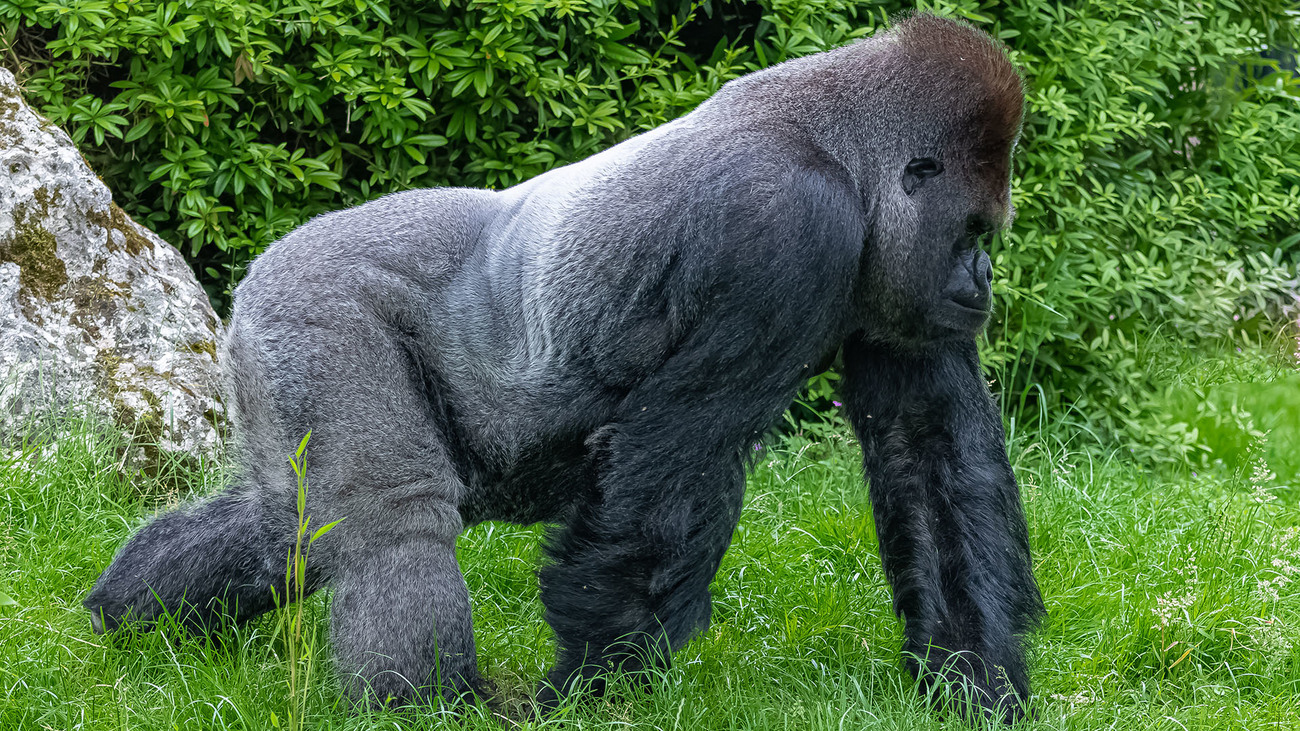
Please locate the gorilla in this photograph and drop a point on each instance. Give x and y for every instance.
(598, 348)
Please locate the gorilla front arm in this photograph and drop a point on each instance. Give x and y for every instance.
(952, 534)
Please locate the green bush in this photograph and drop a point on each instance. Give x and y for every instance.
(1158, 197)
(225, 123)
(1158, 183)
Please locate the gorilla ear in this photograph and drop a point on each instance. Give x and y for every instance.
(918, 170)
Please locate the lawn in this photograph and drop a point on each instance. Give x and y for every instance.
(1169, 589)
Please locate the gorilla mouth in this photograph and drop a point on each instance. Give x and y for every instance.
(964, 316)
(980, 307)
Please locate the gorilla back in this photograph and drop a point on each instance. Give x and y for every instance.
(598, 347)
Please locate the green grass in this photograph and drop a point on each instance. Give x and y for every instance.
(1170, 593)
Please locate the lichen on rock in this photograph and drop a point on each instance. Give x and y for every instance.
(98, 316)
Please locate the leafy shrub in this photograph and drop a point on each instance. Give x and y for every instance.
(225, 123)
(1158, 198)
(1158, 183)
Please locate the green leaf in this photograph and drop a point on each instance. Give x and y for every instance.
(223, 42)
(622, 54)
(427, 140)
(140, 129)
(1137, 159)
(323, 530)
(625, 31)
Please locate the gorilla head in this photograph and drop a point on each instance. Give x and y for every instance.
(944, 115)
(598, 347)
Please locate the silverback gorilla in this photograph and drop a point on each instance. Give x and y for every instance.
(598, 348)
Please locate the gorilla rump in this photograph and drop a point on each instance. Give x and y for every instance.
(598, 347)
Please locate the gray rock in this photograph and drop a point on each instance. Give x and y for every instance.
(98, 316)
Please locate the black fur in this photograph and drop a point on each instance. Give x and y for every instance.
(597, 349)
(952, 535)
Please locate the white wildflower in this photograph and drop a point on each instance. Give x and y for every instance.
(1260, 475)
(1082, 698)
(1287, 543)
(1271, 639)
(1270, 590)
(1285, 566)
(1189, 569)
(1172, 609)
(1259, 488)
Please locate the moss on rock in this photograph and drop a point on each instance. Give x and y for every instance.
(115, 219)
(41, 272)
(208, 347)
(34, 249)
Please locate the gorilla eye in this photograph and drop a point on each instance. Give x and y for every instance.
(918, 170)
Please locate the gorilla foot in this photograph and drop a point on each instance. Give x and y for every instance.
(587, 684)
(391, 690)
(206, 567)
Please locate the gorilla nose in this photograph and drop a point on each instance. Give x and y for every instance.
(983, 268)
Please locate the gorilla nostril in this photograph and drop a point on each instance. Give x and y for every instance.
(983, 268)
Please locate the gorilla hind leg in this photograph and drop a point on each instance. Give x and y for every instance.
(206, 565)
(400, 622)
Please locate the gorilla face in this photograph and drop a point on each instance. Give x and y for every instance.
(953, 212)
(965, 297)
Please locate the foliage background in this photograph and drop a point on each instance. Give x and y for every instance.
(1158, 182)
